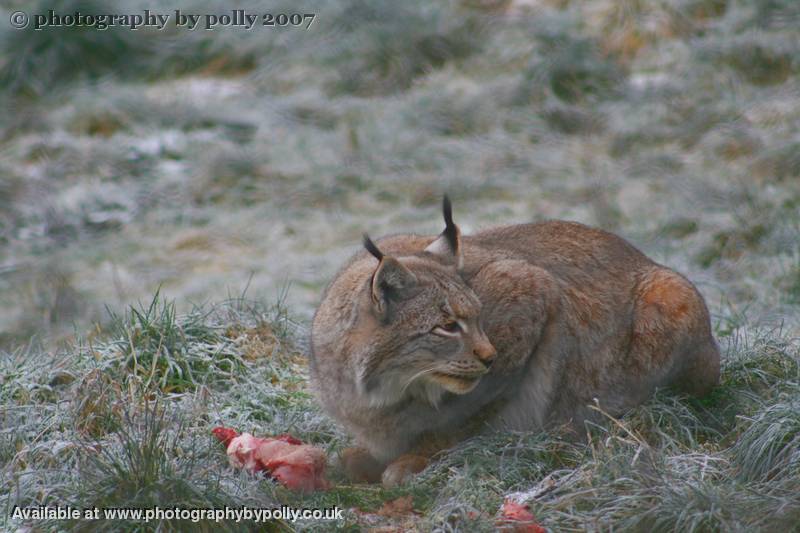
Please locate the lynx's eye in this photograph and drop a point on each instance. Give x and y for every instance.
(448, 329)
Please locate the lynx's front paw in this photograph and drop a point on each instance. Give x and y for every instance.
(359, 466)
(401, 469)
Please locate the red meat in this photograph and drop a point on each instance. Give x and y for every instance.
(517, 518)
(296, 465)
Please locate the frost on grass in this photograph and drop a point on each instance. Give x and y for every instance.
(125, 420)
(92, 429)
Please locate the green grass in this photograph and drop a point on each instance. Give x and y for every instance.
(153, 347)
(130, 436)
(770, 446)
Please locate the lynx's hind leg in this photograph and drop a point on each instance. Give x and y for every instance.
(701, 373)
(671, 341)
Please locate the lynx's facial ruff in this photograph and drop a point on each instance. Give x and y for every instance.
(429, 339)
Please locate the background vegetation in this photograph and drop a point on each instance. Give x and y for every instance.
(198, 165)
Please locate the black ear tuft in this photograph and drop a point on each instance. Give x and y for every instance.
(371, 248)
(447, 208)
(448, 244)
(450, 230)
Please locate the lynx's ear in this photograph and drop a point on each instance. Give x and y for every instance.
(448, 243)
(390, 281)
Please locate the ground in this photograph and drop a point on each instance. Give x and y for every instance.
(231, 172)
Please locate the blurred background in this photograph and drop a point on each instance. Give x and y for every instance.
(210, 163)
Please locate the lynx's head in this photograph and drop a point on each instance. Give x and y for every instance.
(414, 326)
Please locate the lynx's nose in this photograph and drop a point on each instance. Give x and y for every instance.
(485, 353)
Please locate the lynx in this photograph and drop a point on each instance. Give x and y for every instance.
(420, 341)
